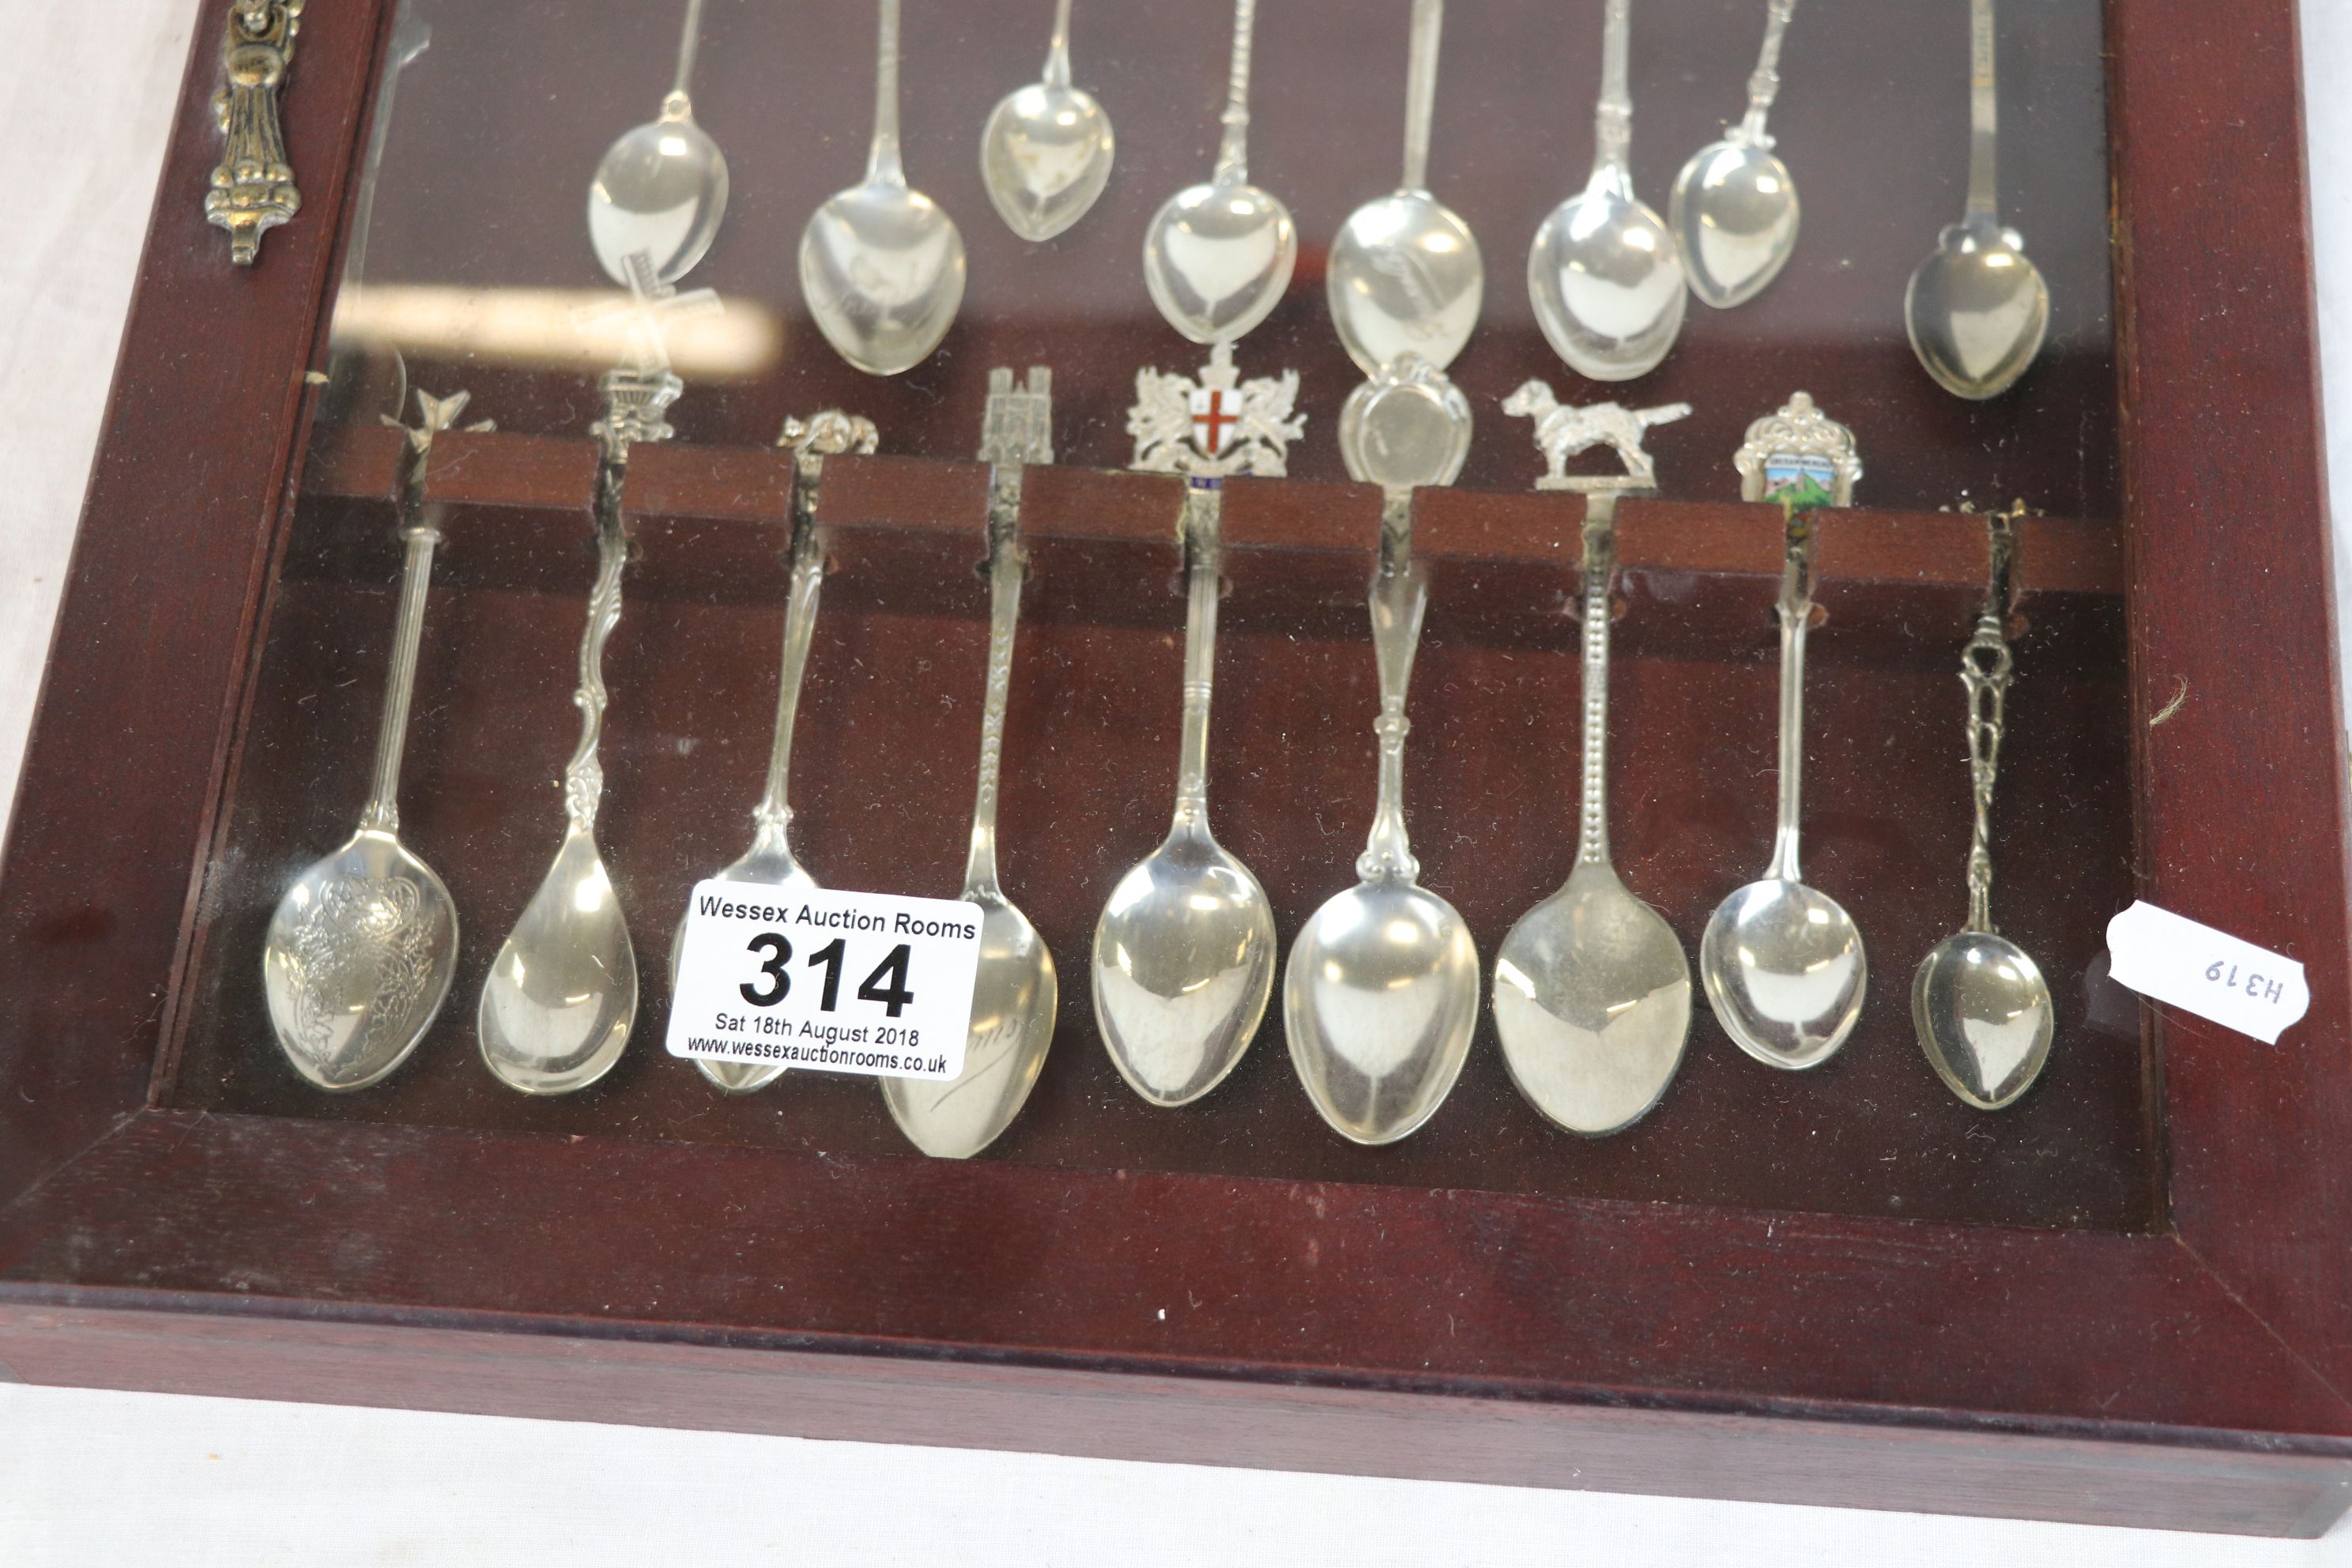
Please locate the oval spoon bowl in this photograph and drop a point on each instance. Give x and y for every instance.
(1735, 215)
(1016, 997)
(1984, 1017)
(1405, 277)
(1184, 967)
(882, 269)
(765, 868)
(1785, 971)
(1592, 1004)
(562, 993)
(1216, 259)
(1976, 310)
(1045, 156)
(1607, 284)
(1380, 1001)
(358, 961)
(661, 189)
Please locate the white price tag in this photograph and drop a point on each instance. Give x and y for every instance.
(2209, 973)
(860, 983)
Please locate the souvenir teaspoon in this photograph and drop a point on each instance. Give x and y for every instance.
(1604, 272)
(362, 946)
(1184, 951)
(661, 188)
(1977, 309)
(1046, 153)
(1381, 996)
(1216, 258)
(1593, 993)
(1978, 1002)
(1783, 965)
(1015, 993)
(770, 859)
(1734, 209)
(561, 995)
(881, 266)
(1405, 274)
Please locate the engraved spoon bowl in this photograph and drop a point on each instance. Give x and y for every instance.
(358, 961)
(1016, 996)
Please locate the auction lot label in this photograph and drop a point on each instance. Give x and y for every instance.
(860, 983)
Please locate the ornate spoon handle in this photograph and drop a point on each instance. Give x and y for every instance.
(1984, 114)
(1796, 612)
(583, 776)
(420, 525)
(1203, 504)
(1009, 564)
(773, 817)
(1233, 151)
(1400, 598)
(1599, 563)
(1985, 668)
(1765, 85)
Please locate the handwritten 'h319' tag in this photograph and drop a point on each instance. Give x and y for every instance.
(2211, 973)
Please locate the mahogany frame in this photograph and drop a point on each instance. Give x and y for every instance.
(2198, 1377)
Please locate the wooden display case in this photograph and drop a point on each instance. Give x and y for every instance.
(2123, 1301)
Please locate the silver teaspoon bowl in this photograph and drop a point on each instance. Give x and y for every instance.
(661, 189)
(1735, 215)
(1405, 277)
(1379, 1002)
(1013, 1003)
(1045, 155)
(562, 993)
(1184, 967)
(1607, 284)
(1592, 1004)
(1977, 310)
(358, 961)
(882, 267)
(1984, 1017)
(1216, 259)
(1785, 971)
(767, 865)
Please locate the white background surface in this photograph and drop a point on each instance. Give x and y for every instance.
(89, 1478)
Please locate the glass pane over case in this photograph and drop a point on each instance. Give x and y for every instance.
(472, 269)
